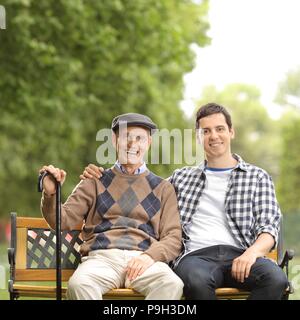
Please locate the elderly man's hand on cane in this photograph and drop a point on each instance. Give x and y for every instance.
(49, 183)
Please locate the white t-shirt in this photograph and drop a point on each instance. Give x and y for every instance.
(209, 225)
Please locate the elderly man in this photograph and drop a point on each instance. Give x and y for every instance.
(230, 217)
(131, 221)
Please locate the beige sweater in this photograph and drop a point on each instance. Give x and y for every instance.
(132, 212)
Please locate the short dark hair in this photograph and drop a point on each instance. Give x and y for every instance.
(212, 108)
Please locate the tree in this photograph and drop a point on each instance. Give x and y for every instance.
(288, 92)
(289, 181)
(68, 67)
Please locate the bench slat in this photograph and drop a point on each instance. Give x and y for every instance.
(41, 274)
(29, 222)
(50, 291)
(22, 248)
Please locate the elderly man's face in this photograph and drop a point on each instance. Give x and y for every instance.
(132, 143)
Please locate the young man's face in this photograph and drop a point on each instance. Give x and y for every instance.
(132, 143)
(215, 136)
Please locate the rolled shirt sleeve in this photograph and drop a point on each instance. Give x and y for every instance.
(266, 209)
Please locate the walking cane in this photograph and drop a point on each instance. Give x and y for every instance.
(57, 230)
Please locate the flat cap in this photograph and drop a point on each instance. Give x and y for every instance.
(133, 119)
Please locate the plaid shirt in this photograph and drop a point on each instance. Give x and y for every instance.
(250, 202)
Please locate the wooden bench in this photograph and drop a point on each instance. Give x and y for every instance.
(32, 259)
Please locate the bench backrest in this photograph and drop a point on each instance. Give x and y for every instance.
(33, 242)
(33, 246)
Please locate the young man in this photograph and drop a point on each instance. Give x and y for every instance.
(131, 221)
(231, 218)
(229, 215)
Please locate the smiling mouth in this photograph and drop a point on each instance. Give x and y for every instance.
(133, 152)
(216, 144)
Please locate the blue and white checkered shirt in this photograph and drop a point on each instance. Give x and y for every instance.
(250, 203)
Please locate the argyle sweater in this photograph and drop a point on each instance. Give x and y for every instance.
(122, 211)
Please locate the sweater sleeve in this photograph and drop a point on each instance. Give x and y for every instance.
(169, 245)
(76, 207)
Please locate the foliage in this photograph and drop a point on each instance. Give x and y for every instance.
(288, 92)
(68, 67)
(289, 182)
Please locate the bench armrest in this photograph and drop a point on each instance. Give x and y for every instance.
(288, 255)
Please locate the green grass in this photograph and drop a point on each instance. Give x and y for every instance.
(294, 276)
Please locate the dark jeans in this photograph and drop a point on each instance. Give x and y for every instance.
(207, 269)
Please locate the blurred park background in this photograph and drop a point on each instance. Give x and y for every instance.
(67, 67)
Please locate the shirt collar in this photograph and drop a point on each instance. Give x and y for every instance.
(139, 170)
(241, 163)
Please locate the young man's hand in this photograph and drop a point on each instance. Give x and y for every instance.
(92, 171)
(241, 265)
(49, 182)
(138, 265)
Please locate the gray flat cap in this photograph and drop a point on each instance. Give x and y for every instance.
(133, 119)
